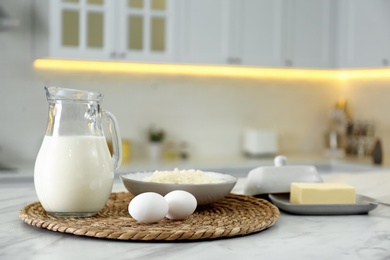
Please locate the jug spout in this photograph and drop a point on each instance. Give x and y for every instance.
(56, 93)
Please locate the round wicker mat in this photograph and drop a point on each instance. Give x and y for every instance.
(234, 215)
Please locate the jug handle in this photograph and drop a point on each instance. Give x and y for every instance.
(116, 139)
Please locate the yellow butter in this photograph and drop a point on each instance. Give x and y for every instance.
(322, 193)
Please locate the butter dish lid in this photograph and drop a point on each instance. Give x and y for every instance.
(278, 178)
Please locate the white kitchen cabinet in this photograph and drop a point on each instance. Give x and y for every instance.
(247, 32)
(136, 30)
(204, 31)
(145, 30)
(278, 33)
(295, 33)
(257, 32)
(257, 38)
(80, 29)
(364, 29)
(309, 30)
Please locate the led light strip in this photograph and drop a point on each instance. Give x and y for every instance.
(376, 73)
(207, 70)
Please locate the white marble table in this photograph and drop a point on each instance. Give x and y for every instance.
(292, 237)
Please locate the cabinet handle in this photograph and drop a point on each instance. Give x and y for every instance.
(234, 60)
(113, 55)
(122, 55)
(288, 63)
(385, 62)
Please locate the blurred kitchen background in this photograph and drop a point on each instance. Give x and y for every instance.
(312, 42)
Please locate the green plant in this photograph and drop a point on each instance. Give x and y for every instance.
(155, 134)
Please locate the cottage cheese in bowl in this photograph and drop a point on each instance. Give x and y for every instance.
(184, 177)
(207, 187)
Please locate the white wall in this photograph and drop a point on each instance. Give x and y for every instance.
(208, 113)
(21, 104)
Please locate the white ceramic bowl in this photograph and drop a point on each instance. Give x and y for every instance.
(204, 193)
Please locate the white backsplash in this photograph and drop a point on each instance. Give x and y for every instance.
(369, 99)
(210, 114)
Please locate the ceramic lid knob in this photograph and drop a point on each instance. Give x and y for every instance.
(280, 160)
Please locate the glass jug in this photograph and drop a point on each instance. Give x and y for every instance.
(74, 169)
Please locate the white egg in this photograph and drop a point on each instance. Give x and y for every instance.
(181, 204)
(148, 207)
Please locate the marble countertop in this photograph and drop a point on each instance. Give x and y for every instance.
(292, 237)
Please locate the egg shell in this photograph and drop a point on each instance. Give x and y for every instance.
(181, 204)
(148, 207)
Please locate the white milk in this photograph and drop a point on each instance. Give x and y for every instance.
(73, 174)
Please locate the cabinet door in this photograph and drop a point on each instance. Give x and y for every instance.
(309, 33)
(145, 30)
(203, 32)
(364, 33)
(257, 40)
(80, 28)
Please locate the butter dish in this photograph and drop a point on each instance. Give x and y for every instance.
(278, 178)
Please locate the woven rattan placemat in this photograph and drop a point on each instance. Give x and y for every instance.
(235, 215)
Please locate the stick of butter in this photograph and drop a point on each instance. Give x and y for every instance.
(322, 193)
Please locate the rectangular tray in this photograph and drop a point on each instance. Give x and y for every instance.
(363, 206)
